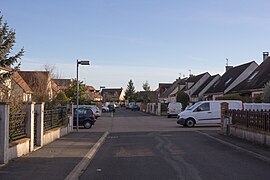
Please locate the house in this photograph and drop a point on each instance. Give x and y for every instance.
(20, 88)
(62, 83)
(254, 84)
(113, 94)
(147, 96)
(40, 83)
(162, 87)
(55, 88)
(230, 79)
(15, 87)
(194, 82)
(198, 94)
(93, 94)
(169, 95)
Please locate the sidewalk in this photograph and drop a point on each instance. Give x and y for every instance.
(53, 161)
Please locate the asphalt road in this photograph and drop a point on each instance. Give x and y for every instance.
(134, 145)
(140, 146)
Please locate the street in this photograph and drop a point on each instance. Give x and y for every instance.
(149, 147)
(142, 146)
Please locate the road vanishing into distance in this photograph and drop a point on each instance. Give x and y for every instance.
(141, 146)
(134, 145)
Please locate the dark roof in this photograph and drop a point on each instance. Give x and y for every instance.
(162, 87)
(175, 84)
(257, 79)
(228, 78)
(196, 93)
(195, 79)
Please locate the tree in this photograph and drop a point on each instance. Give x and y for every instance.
(266, 93)
(52, 69)
(146, 86)
(183, 98)
(71, 92)
(7, 41)
(130, 92)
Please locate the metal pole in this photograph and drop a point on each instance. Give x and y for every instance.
(77, 97)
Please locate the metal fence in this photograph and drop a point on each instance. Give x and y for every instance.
(258, 120)
(17, 126)
(55, 118)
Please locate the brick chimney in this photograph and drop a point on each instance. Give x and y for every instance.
(265, 55)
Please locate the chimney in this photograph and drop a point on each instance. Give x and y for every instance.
(265, 55)
(228, 68)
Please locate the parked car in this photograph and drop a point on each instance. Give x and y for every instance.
(205, 112)
(86, 117)
(96, 111)
(174, 109)
(111, 107)
(135, 107)
(105, 109)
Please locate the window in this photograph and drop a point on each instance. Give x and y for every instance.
(203, 107)
(252, 76)
(228, 81)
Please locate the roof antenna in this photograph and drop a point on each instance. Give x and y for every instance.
(227, 62)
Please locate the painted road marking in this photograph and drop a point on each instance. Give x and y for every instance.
(81, 167)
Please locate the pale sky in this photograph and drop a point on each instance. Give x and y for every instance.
(142, 40)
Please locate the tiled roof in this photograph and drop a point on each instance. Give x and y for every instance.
(257, 79)
(195, 79)
(196, 93)
(55, 87)
(19, 81)
(62, 83)
(111, 91)
(162, 87)
(31, 77)
(228, 78)
(175, 84)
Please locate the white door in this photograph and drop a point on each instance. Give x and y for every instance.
(203, 113)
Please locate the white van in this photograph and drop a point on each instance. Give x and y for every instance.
(205, 112)
(174, 109)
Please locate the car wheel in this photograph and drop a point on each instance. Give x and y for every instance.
(190, 122)
(87, 124)
(169, 116)
(103, 110)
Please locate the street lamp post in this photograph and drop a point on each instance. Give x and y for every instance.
(77, 91)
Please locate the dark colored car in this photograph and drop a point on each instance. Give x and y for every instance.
(86, 117)
(135, 107)
(111, 107)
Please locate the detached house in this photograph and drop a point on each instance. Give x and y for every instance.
(62, 83)
(253, 85)
(113, 94)
(40, 83)
(230, 79)
(20, 88)
(15, 88)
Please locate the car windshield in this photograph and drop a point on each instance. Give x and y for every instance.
(193, 106)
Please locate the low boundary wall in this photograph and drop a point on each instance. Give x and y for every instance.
(250, 135)
(21, 147)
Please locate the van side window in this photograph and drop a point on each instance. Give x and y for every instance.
(203, 107)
